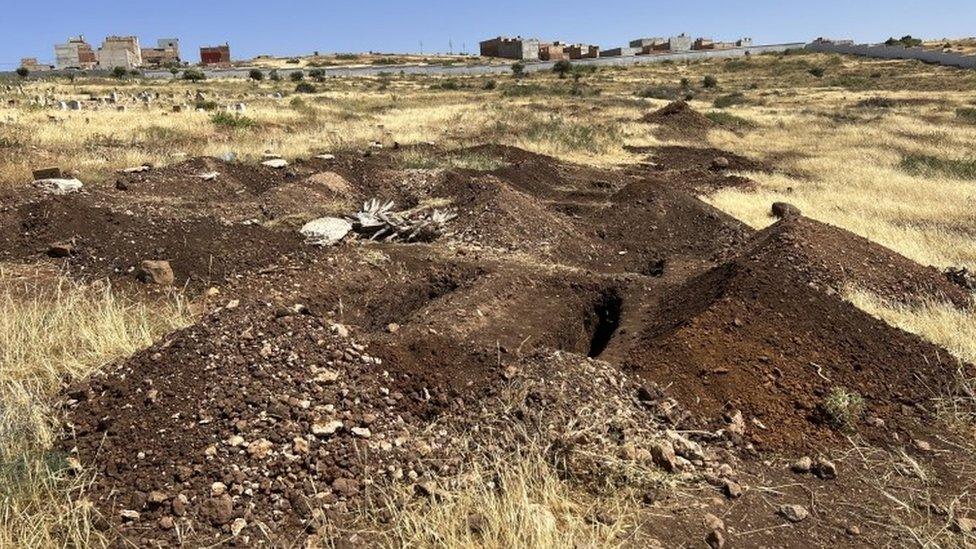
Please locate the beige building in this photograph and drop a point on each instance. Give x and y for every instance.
(74, 54)
(166, 52)
(120, 51)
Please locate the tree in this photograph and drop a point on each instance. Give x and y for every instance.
(562, 68)
(297, 76)
(518, 69)
(120, 72)
(256, 75)
(23, 72)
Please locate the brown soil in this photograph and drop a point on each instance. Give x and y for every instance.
(567, 288)
(677, 120)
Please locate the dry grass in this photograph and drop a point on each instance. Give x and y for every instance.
(54, 331)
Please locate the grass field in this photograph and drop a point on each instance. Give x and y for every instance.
(881, 148)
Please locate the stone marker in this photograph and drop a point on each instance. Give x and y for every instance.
(48, 173)
(276, 163)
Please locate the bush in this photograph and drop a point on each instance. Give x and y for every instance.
(967, 114)
(23, 72)
(876, 103)
(518, 69)
(448, 85)
(817, 71)
(844, 408)
(658, 92)
(317, 74)
(274, 76)
(234, 121)
(120, 72)
(297, 76)
(305, 87)
(256, 75)
(906, 41)
(710, 81)
(206, 105)
(490, 85)
(194, 75)
(726, 101)
(562, 67)
(923, 164)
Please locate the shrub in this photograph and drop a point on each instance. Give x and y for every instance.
(658, 92)
(843, 408)
(736, 98)
(120, 72)
(710, 81)
(967, 114)
(206, 105)
(921, 164)
(317, 74)
(23, 72)
(233, 121)
(305, 87)
(817, 71)
(256, 74)
(297, 76)
(194, 75)
(448, 85)
(490, 85)
(274, 76)
(518, 69)
(876, 103)
(562, 68)
(685, 83)
(906, 41)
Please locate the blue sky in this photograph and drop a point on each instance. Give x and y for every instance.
(290, 27)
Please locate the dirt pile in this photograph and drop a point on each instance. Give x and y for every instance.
(267, 424)
(677, 120)
(768, 335)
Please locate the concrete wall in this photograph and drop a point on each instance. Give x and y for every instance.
(897, 52)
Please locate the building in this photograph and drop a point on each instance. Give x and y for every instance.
(703, 44)
(745, 42)
(511, 48)
(166, 52)
(619, 52)
(555, 51)
(215, 55)
(649, 43)
(682, 42)
(120, 51)
(32, 65)
(74, 54)
(583, 51)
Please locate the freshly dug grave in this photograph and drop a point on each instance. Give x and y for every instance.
(768, 335)
(677, 120)
(261, 425)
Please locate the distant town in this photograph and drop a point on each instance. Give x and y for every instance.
(125, 52)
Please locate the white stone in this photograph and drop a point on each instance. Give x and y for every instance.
(60, 186)
(326, 231)
(276, 163)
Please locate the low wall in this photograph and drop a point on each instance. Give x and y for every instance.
(897, 52)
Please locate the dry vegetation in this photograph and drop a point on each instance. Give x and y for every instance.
(884, 149)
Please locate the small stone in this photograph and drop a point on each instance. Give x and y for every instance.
(712, 522)
(715, 539)
(237, 526)
(128, 515)
(393, 327)
(731, 489)
(59, 186)
(156, 498)
(784, 210)
(259, 449)
(923, 445)
(720, 163)
(155, 272)
(794, 512)
(429, 489)
(218, 510)
(965, 525)
(326, 429)
(326, 231)
(853, 530)
(235, 440)
(347, 487)
(60, 249)
(662, 453)
(327, 376)
(275, 163)
(300, 445)
(167, 523)
(825, 469)
(802, 465)
(218, 489)
(361, 432)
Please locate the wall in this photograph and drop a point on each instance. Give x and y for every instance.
(897, 52)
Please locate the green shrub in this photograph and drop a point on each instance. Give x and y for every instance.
(274, 76)
(725, 101)
(729, 120)
(194, 75)
(923, 164)
(518, 69)
(817, 72)
(305, 87)
(23, 72)
(490, 85)
(449, 85)
(843, 408)
(256, 74)
(317, 74)
(120, 72)
(710, 81)
(562, 67)
(297, 76)
(967, 114)
(232, 121)
(906, 41)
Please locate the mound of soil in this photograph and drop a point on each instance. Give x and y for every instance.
(320, 194)
(767, 335)
(677, 120)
